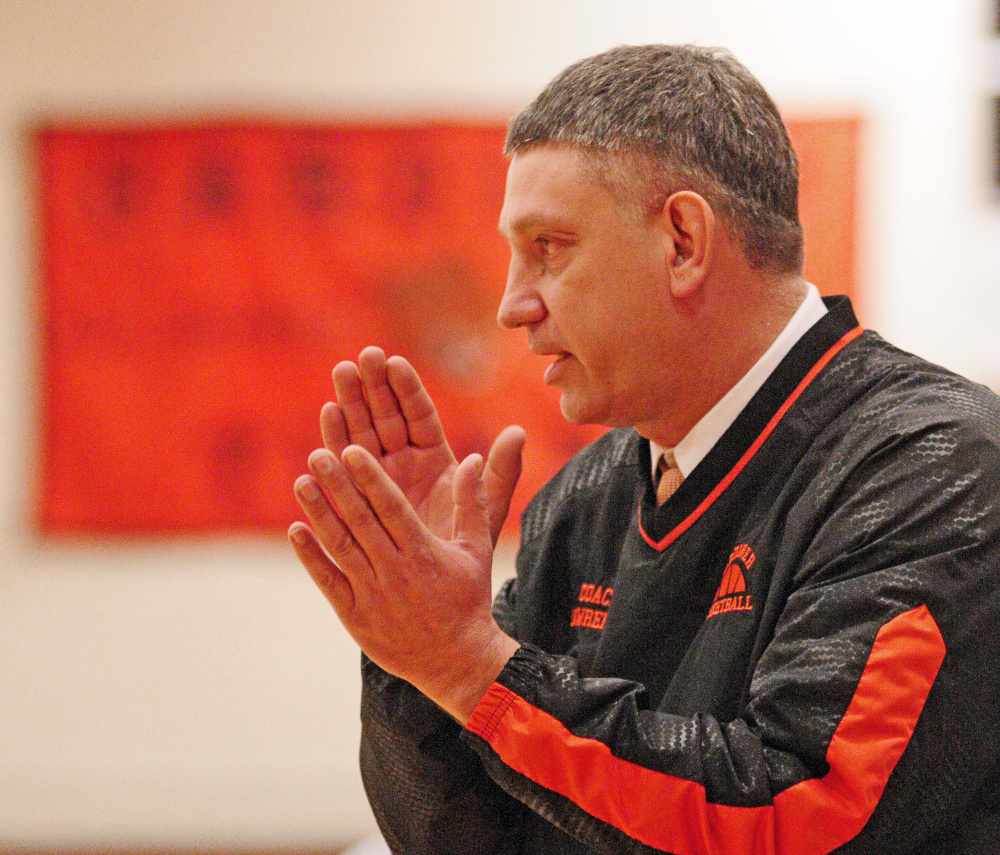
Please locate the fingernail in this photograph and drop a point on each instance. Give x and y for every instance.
(299, 535)
(307, 488)
(480, 464)
(322, 464)
(351, 458)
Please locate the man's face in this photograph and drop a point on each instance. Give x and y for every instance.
(589, 282)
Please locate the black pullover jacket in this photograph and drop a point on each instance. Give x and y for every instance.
(795, 655)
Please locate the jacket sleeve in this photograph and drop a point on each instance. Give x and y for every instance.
(428, 790)
(869, 725)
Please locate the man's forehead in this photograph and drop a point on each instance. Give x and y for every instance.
(564, 158)
(545, 182)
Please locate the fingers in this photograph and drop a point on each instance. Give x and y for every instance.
(392, 510)
(354, 408)
(503, 469)
(329, 530)
(354, 513)
(422, 422)
(386, 416)
(370, 509)
(381, 406)
(471, 518)
(323, 571)
(333, 427)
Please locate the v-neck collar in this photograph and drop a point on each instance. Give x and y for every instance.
(662, 526)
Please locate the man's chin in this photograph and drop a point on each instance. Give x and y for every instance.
(579, 412)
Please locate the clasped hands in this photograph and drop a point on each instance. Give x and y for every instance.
(401, 535)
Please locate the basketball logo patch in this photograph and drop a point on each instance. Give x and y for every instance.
(732, 594)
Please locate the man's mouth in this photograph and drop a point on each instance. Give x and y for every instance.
(555, 365)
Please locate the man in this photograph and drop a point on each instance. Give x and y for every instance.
(759, 615)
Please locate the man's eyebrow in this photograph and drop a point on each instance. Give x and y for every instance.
(518, 225)
(526, 222)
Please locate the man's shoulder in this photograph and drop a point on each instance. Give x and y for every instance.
(613, 456)
(596, 462)
(892, 424)
(902, 392)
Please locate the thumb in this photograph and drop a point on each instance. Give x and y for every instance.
(503, 469)
(471, 521)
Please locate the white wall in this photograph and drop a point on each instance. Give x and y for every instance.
(200, 693)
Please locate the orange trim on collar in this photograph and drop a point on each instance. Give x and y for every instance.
(752, 450)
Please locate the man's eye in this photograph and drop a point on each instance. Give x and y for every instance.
(544, 245)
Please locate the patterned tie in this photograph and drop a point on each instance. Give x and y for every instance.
(670, 477)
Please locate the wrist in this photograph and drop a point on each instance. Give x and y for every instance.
(465, 689)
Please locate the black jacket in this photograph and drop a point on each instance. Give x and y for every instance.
(795, 654)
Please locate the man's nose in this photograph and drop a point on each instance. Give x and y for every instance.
(521, 304)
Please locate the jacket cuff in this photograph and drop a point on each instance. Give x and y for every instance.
(520, 676)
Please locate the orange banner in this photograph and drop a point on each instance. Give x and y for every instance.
(201, 280)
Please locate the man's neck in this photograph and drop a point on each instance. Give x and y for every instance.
(726, 342)
(700, 440)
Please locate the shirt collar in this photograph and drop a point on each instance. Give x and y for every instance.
(690, 451)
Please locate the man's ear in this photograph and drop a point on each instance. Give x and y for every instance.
(689, 224)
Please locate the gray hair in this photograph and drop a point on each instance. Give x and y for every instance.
(655, 119)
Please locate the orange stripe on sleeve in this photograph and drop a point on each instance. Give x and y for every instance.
(673, 814)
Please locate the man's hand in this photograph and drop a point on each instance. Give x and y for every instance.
(417, 603)
(383, 407)
(410, 532)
